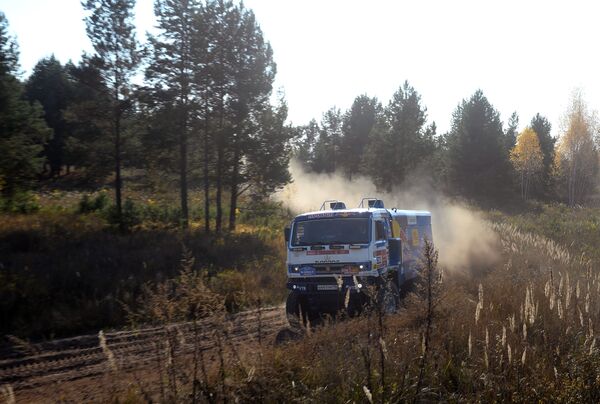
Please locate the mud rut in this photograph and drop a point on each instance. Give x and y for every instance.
(67, 360)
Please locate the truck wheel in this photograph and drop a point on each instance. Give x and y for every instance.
(407, 287)
(296, 314)
(388, 297)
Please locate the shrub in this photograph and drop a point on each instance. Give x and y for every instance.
(131, 214)
(93, 204)
(21, 202)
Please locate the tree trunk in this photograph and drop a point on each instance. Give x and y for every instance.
(206, 183)
(234, 184)
(183, 177)
(118, 169)
(219, 184)
(220, 163)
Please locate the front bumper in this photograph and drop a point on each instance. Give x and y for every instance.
(330, 285)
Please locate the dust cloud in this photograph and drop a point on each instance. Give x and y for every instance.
(463, 238)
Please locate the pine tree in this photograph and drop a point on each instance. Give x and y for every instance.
(543, 128)
(512, 132)
(396, 150)
(111, 30)
(379, 155)
(22, 128)
(87, 116)
(478, 164)
(327, 147)
(252, 74)
(171, 73)
(50, 85)
(268, 160)
(305, 138)
(356, 127)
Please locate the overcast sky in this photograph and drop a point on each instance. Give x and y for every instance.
(526, 56)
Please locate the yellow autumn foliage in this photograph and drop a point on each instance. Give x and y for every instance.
(527, 156)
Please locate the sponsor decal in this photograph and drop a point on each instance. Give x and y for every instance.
(335, 214)
(415, 237)
(318, 215)
(327, 252)
(381, 256)
(307, 271)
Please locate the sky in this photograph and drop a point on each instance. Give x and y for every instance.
(526, 56)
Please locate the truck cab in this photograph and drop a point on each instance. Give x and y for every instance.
(335, 253)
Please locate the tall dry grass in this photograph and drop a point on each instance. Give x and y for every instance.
(522, 330)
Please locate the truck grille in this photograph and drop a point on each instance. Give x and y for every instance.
(328, 269)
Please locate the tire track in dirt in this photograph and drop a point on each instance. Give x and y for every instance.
(69, 359)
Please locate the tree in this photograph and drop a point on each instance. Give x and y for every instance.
(171, 73)
(327, 147)
(22, 128)
(512, 131)
(253, 121)
(527, 158)
(401, 141)
(543, 128)
(268, 161)
(51, 85)
(111, 30)
(576, 153)
(379, 154)
(305, 138)
(357, 124)
(478, 164)
(89, 147)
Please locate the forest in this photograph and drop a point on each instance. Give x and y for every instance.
(141, 185)
(194, 106)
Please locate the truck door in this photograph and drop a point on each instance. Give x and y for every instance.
(380, 253)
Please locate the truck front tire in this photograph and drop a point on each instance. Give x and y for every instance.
(388, 297)
(296, 313)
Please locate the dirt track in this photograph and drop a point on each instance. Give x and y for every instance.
(32, 370)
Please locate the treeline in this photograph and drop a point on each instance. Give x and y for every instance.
(194, 104)
(202, 113)
(479, 158)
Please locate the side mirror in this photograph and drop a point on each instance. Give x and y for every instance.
(395, 251)
(286, 232)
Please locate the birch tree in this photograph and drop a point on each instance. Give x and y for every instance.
(576, 156)
(527, 159)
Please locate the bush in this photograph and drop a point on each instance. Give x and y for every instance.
(21, 202)
(89, 204)
(131, 214)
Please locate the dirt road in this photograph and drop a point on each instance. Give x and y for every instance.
(31, 370)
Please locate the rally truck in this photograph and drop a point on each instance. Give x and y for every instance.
(344, 259)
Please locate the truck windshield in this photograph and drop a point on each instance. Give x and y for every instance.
(331, 231)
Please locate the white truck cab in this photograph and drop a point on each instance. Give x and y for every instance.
(335, 251)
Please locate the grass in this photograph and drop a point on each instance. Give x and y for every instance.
(522, 330)
(66, 270)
